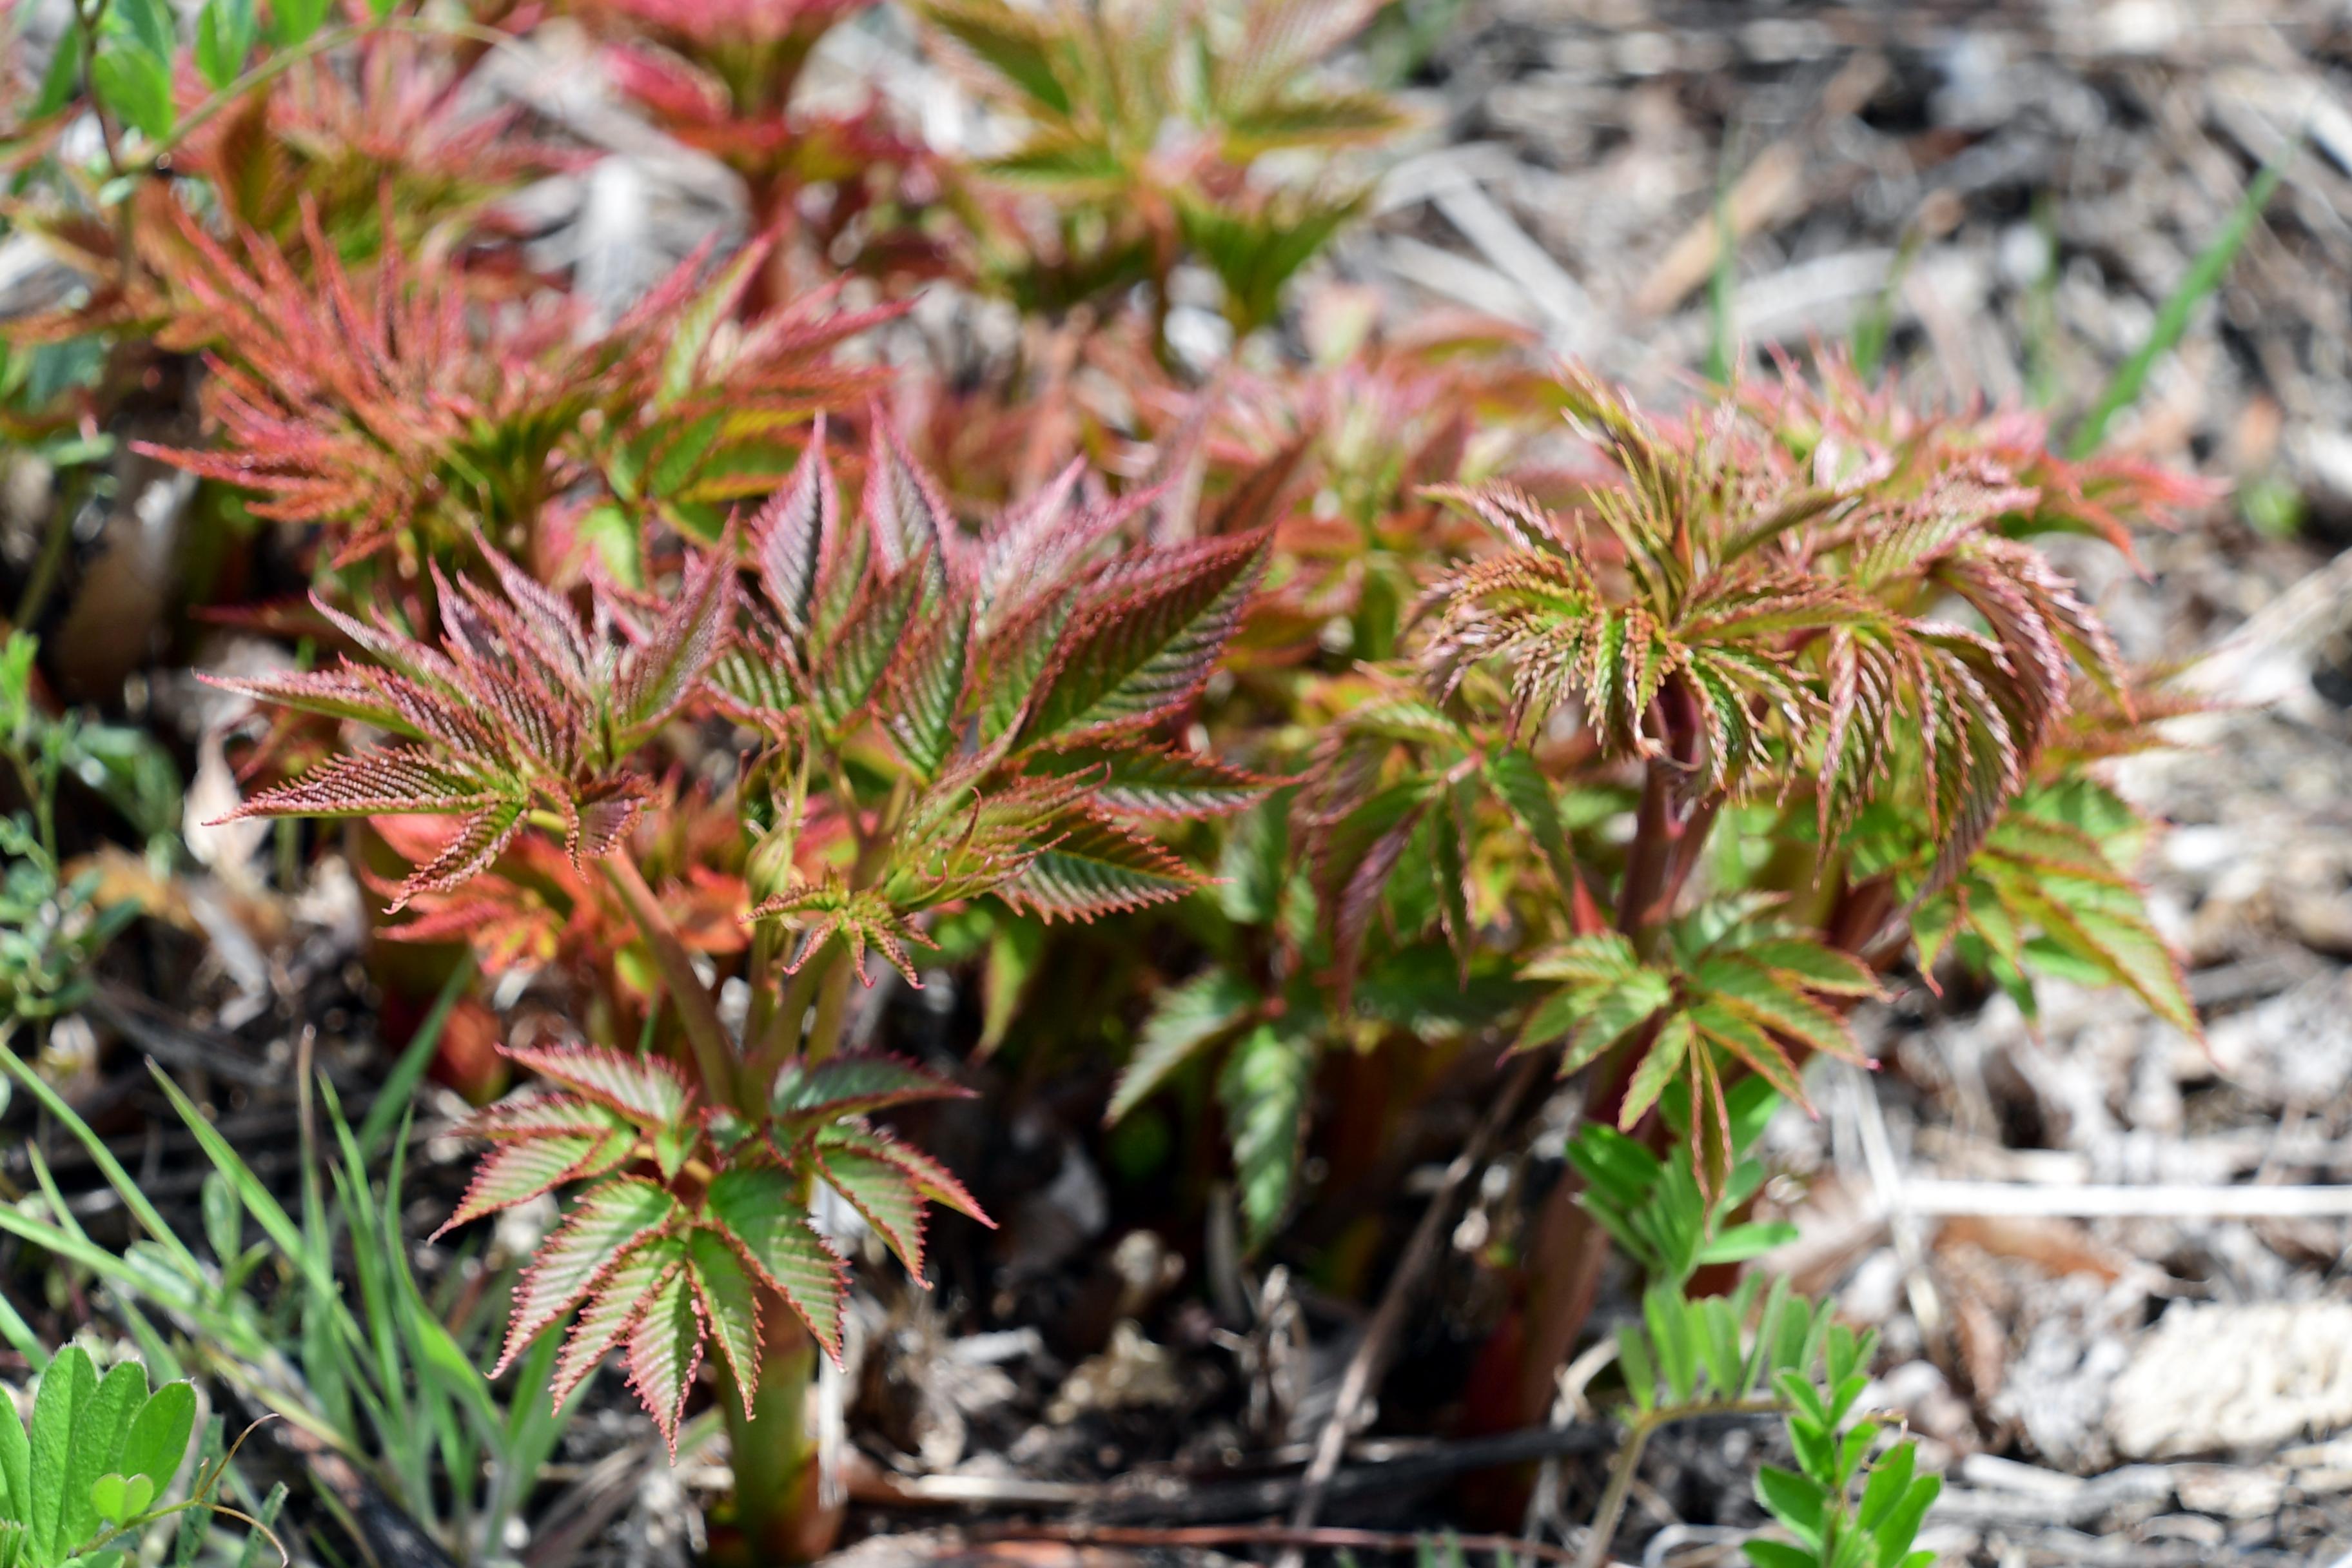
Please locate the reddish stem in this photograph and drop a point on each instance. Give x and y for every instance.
(714, 1054)
(1570, 1249)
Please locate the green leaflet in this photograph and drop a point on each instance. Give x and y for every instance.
(1096, 867)
(15, 1467)
(1186, 1019)
(613, 1309)
(1749, 988)
(755, 1209)
(225, 30)
(1603, 958)
(664, 1351)
(1155, 782)
(853, 1084)
(1008, 41)
(730, 1306)
(925, 689)
(1255, 866)
(2047, 893)
(2090, 921)
(98, 1429)
(1142, 647)
(1615, 1013)
(882, 1192)
(859, 652)
(1254, 253)
(1263, 1091)
(602, 1227)
(1659, 1065)
(66, 1388)
(1517, 781)
(1813, 967)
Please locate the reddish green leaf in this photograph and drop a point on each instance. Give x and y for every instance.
(664, 1352)
(1146, 639)
(2088, 919)
(614, 1307)
(656, 675)
(853, 659)
(790, 534)
(349, 691)
(912, 525)
(852, 1084)
(756, 1209)
(931, 1179)
(1739, 1035)
(479, 841)
(1604, 958)
(536, 1115)
(1098, 868)
(1755, 991)
(600, 1230)
(1615, 1013)
(921, 701)
(371, 784)
(1813, 967)
(881, 1191)
(1659, 1065)
(1155, 781)
(731, 1307)
(649, 1091)
(515, 1172)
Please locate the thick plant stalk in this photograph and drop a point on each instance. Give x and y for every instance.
(777, 1509)
(1667, 845)
(776, 1505)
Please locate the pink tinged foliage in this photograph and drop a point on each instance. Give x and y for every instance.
(605, 1320)
(885, 1195)
(1782, 602)
(721, 23)
(752, 1207)
(1016, 673)
(1780, 596)
(931, 1179)
(666, 1261)
(401, 403)
(853, 1085)
(522, 707)
(604, 1226)
(1018, 679)
(647, 1091)
(664, 1351)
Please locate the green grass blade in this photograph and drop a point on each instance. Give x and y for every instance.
(2204, 276)
(1875, 328)
(133, 1198)
(20, 1335)
(1723, 293)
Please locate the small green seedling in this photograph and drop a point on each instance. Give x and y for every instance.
(100, 1454)
(1833, 1528)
